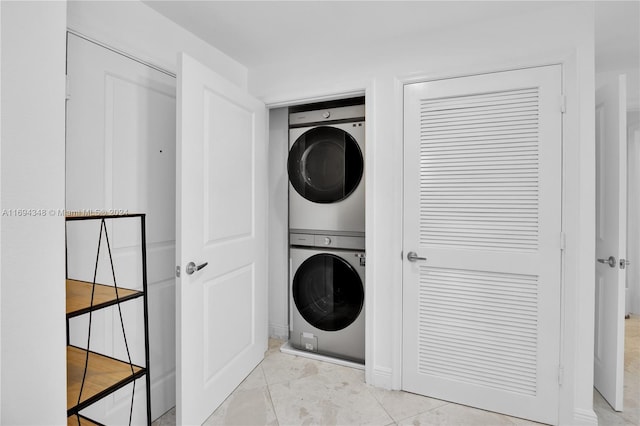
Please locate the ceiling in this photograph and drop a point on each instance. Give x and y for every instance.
(257, 33)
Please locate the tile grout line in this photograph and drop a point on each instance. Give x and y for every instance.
(375, 398)
(275, 413)
(426, 411)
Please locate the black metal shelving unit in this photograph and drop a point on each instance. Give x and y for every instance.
(92, 376)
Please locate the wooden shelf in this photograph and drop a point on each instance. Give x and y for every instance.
(80, 420)
(104, 375)
(79, 296)
(92, 376)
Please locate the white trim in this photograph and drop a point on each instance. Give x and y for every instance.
(584, 417)
(370, 220)
(161, 394)
(421, 78)
(312, 99)
(279, 331)
(397, 315)
(120, 52)
(381, 378)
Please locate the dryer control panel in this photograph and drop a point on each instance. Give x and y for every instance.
(322, 240)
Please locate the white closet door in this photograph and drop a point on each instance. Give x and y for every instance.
(221, 308)
(482, 205)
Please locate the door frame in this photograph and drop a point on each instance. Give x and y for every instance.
(366, 90)
(577, 301)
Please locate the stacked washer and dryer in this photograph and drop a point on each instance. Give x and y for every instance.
(327, 229)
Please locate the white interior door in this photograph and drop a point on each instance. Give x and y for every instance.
(120, 154)
(221, 192)
(611, 241)
(482, 241)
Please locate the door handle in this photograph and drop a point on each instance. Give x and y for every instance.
(191, 267)
(611, 261)
(412, 256)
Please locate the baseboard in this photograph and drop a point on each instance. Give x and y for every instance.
(279, 331)
(114, 409)
(381, 378)
(163, 395)
(584, 417)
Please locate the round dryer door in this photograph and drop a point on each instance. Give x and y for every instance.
(328, 292)
(325, 164)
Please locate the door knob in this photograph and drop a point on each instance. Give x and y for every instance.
(191, 267)
(412, 256)
(611, 261)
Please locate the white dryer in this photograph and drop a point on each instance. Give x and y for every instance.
(327, 295)
(326, 171)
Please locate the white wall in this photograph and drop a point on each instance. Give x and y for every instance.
(278, 223)
(561, 34)
(33, 303)
(138, 30)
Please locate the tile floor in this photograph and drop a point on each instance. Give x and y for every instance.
(291, 390)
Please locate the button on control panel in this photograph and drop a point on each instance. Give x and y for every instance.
(326, 240)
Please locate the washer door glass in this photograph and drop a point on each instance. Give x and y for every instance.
(328, 292)
(325, 165)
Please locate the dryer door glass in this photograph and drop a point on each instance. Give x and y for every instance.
(328, 292)
(325, 165)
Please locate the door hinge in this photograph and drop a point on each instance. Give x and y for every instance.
(67, 92)
(563, 241)
(178, 271)
(563, 104)
(560, 375)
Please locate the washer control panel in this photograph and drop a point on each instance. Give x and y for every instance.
(333, 241)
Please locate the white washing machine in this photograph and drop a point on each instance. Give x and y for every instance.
(326, 171)
(327, 288)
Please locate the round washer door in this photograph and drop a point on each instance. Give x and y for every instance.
(325, 164)
(328, 292)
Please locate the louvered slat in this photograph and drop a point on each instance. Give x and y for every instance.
(473, 148)
(479, 327)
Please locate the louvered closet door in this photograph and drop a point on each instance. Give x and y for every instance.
(482, 198)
